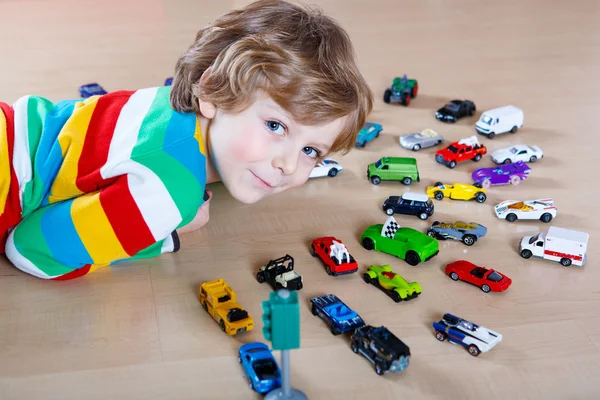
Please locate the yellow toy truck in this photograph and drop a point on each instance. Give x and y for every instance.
(218, 299)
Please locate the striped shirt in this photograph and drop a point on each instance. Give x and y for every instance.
(94, 181)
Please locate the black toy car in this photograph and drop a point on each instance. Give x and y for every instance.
(280, 274)
(455, 110)
(382, 348)
(418, 204)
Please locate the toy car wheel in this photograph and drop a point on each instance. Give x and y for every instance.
(386, 96)
(423, 216)
(438, 184)
(389, 211)
(205, 306)
(526, 253)
(454, 276)
(452, 164)
(260, 277)
(469, 240)
(485, 288)
(396, 297)
(313, 310)
(222, 325)
(565, 262)
(512, 217)
(368, 244)
(379, 369)
(375, 180)
(546, 217)
(491, 135)
(300, 286)
(332, 172)
(412, 258)
(431, 233)
(406, 100)
(507, 161)
(514, 129)
(407, 181)
(486, 183)
(367, 278)
(480, 197)
(334, 330)
(417, 147)
(354, 347)
(313, 251)
(532, 159)
(250, 384)
(441, 336)
(328, 270)
(477, 157)
(239, 358)
(477, 185)
(415, 90)
(438, 195)
(515, 180)
(473, 350)
(362, 144)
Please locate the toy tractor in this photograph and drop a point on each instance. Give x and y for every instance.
(403, 90)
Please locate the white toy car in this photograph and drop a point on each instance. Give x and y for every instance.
(327, 167)
(511, 210)
(499, 120)
(477, 339)
(519, 152)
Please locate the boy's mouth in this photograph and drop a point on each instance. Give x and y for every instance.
(261, 182)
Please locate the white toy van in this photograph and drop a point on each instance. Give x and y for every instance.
(558, 244)
(500, 120)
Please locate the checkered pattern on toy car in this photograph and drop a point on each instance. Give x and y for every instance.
(391, 229)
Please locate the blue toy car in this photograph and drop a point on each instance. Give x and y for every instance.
(169, 81)
(91, 89)
(336, 314)
(369, 132)
(260, 367)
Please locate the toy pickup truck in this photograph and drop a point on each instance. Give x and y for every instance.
(457, 152)
(382, 348)
(338, 316)
(219, 300)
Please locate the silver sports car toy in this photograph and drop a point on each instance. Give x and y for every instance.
(468, 233)
(420, 140)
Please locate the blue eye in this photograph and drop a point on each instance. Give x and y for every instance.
(276, 127)
(311, 152)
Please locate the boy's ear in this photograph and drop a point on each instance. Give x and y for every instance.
(207, 109)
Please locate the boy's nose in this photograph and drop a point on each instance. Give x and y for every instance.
(287, 163)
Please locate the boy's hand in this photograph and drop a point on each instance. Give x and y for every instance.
(201, 217)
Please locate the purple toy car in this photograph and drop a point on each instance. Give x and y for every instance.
(502, 174)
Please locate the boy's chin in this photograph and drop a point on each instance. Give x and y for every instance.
(246, 196)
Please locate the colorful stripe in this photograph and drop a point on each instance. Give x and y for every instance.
(4, 163)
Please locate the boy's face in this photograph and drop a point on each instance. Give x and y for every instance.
(262, 151)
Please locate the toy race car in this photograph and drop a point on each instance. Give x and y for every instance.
(391, 283)
(280, 274)
(337, 315)
(91, 89)
(519, 152)
(475, 338)
(455, 110)
(327, 167)
(260, 367)
(457, 191)
(409, 203)
(335, 256)
(369, 132)
(463, 150)
(466, 233)
(502, 174)
(403, 90)
(511, 210)
(382, 348)
(488, 280)
(403, 242)
(219, 301)
(421, 140)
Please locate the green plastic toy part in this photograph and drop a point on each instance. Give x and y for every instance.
(281, 319)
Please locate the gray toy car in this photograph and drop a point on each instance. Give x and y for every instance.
(420, 140)
(468, 233)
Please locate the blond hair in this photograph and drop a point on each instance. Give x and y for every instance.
(303, 59)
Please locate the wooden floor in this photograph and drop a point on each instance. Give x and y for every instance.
(138, 331)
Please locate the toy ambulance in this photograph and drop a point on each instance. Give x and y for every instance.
(558, 244)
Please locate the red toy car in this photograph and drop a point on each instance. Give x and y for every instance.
(335, 256)
(487, 279)
(465, 149)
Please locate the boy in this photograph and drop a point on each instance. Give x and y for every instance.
(259, 97)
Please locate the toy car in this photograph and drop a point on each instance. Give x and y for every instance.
(468, 233)
(337, 315)
(327, 167)
(403, 242)
(455, 110)
(369, 132)
(463, 150)
(403, 169)
(500, 120)
(502, 174)
(420, 140)
(558, 244)
(334, 254)
(488, 280)
(475, 338)
(260, 367)
(410, 204)
(169, 81)
(519, 152)
(391, 283)
(219, 301)
(91, 89)
(382, 348)
(457, 191)
(280, 274)
(511, 210)
(402, 91)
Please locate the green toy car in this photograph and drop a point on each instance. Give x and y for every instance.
(391, 283)
(403, 90)
(403, 169)
(406, 243)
